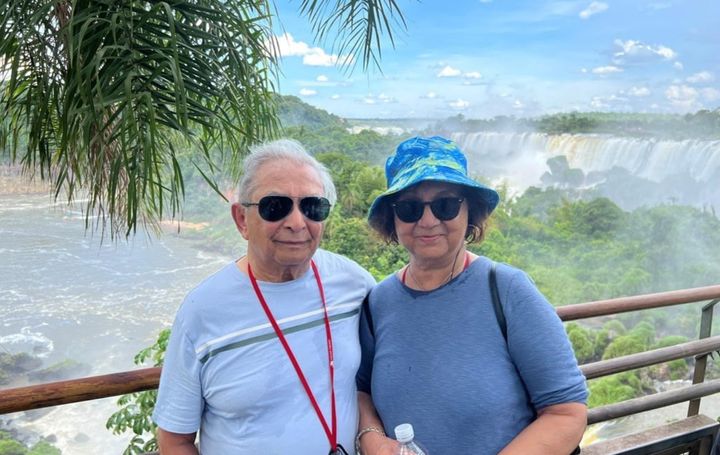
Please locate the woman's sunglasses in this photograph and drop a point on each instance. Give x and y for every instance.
(411, 210)
(275, 208)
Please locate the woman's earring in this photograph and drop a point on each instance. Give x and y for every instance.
(473, 233)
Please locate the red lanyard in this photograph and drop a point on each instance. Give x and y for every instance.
(331, 435)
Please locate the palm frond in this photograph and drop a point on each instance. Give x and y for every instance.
(103, 94)
(358, 27)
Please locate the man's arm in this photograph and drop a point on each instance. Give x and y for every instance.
(176, 443)
(557, 430)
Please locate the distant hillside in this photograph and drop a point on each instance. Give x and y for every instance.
(703, 124)
(294, 112)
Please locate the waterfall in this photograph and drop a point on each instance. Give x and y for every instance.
(651, 159)
(520, 160)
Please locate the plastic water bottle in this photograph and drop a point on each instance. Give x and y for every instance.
(405, 435)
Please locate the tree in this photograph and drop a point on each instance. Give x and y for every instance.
(582, 342)
(101, 96)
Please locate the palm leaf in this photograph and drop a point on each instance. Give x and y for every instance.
(106, 92)
(102, 96)
(357, 25)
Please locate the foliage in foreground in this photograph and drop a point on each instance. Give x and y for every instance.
(136, 409)
(11, 446)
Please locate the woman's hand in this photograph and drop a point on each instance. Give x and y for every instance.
(373, 443)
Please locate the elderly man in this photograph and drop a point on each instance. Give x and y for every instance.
(263, 354)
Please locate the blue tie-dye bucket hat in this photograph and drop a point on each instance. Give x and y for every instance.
(421, 159)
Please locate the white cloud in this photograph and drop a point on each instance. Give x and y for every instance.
(666, 52)
(710, 94)
(701, 77)
(682, 96)
(614, 102)
(518, 105)
(312, 56)
(335, 97)
(472, 75)
(386, 99)
(322, 59)
(583, 70)
(322, 78)
(429, 95)
(459, 104)
(636, 51)
(371, 98)
(449, 71)
(307, 92)
(593, 8)
(598, 103)
(607, 70)
(678, 66)
(639, 91)
(286, 45)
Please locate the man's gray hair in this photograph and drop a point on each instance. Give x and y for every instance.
(282, 149)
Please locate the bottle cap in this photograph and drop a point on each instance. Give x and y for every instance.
(404, 432)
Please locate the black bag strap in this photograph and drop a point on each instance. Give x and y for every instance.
(497, 305)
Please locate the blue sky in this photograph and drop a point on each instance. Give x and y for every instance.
(525, 58)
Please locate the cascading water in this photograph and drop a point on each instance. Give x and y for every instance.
(520, 160)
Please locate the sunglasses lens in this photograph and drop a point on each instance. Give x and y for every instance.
(446, 208)
(315, 208)
(409, 211)
(274, 208)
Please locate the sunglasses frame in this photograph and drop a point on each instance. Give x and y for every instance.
(323, 206)
(436, 211)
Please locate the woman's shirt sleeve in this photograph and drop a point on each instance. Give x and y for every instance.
(538, 344)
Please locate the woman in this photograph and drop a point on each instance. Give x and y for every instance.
(434, 353)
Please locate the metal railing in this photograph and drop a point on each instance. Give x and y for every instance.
(96, 387)
(699, 348)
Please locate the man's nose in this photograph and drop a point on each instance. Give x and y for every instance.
(295, 219)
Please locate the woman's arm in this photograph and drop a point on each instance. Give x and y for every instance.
(372, 442)
(176, 443)
(557, 430)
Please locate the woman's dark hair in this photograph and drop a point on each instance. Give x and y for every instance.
(384, 222)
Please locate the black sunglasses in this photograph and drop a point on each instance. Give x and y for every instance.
(275, 208)
(411, 210)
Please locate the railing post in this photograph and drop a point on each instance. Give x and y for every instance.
(701, 360)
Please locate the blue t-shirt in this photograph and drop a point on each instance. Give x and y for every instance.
(438, 360)
(227, 375)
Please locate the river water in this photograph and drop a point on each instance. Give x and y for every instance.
(64, 294)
